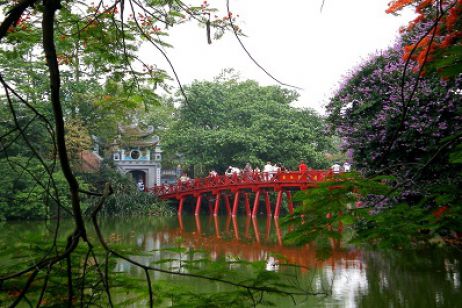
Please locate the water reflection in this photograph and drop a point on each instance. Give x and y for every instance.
(234, 238)
(250, 239)
(356, 277)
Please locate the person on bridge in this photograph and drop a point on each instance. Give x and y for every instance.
(248, 171)
(232, 171)
(346, 167)
(277, 168)
(248, 168)
(184, 179)
(213, 176)
(268, 171)
(302, 167)
(335, 168)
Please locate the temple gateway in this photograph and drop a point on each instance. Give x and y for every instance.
(138, 152)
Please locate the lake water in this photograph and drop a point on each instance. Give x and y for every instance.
(350, 276)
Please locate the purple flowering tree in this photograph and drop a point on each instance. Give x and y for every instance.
(396, 123)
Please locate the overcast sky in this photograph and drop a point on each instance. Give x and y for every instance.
(292, 39)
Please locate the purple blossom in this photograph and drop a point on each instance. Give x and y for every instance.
(371, 96)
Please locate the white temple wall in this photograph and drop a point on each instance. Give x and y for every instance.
(152, 170)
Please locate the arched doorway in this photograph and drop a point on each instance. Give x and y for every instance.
(138, 175)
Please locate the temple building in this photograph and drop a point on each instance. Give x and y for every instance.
(137, 151)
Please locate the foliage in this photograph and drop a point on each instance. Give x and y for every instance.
(22, 196)
(405, 138)
(366, 209)
(441, 44)
(77, 138)
(104, 80)
(231, 122)
(103, 108)
(95, 97)
(408, 126)
(137, 203)
(126, 200)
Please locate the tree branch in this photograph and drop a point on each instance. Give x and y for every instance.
(13, 16)
(51, 6)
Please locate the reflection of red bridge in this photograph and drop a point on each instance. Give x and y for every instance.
(213, 189)
(252, 244)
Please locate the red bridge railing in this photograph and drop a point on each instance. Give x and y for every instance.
(213, 189)
(251, 180)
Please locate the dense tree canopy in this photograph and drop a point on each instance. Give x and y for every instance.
(368, 113)
(407, 126)
(231, 122)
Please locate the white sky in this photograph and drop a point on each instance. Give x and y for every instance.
(292, 39)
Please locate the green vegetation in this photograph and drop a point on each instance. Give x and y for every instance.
(126, 199)
(93, 97)
(231, 122)
(405, 132)
(70, 71)
(20, 195)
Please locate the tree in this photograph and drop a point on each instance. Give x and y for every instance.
(231, 122)
(78, 47)
(407, 127)
(403, 127)
(440, 44)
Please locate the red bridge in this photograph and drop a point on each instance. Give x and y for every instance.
(214, 189)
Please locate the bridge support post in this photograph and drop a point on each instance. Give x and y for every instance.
(247, 204)
(180, 207)
(180, 223)
(256, 203)
(268, 204)
(198, 205)
(217, 226)
(217, 204)
(227, 204)
(290, 204)
(198, 225)
(235, 203)
(278, 230)
(209, 203)
(228, 223)
(278, 203)
(256, 230)
(235, 228)
(247, 226)
(268, 227)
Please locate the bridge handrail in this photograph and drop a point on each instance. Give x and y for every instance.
(244, 178)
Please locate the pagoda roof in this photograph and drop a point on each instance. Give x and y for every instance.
(134, 130)
(153, 141)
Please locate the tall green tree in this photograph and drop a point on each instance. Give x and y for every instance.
(231, 122)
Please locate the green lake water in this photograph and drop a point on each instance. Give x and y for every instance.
(350, 276)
